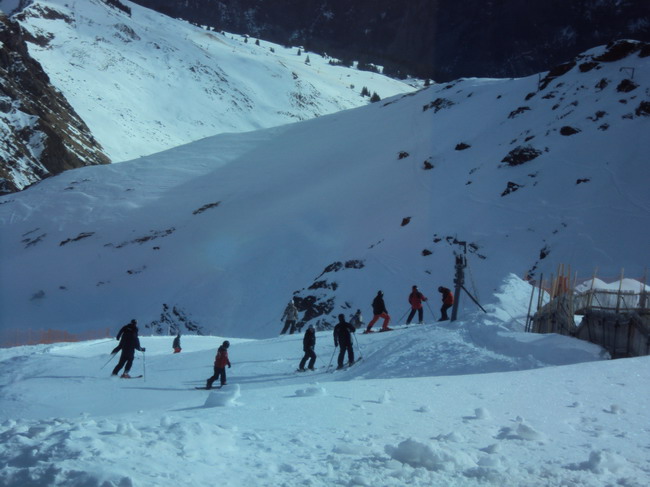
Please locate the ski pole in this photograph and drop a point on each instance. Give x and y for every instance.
(400, 320)
(432, 313)
(144, 368)
(332, 357)
(358, 347)
(109, 359)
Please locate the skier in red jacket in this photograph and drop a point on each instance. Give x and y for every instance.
(415, 300)
(220, 362)
(447, 302)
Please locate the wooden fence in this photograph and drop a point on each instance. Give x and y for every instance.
(618, 320)
(621, 334)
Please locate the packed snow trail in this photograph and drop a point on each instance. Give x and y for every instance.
(582, 425)
(471, 403)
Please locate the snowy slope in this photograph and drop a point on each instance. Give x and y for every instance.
(228, 228)
(146, 82)
(464, 404)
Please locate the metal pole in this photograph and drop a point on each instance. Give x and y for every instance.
(474, 299)
(459, 281)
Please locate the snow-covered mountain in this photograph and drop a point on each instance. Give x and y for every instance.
(222, 232)
(442, 40)
(145, 82)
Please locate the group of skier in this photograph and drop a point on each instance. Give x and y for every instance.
(129, 340)
(415, 299)
(342, 339)
(343, 330)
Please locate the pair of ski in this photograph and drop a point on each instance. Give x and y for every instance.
(331, 370)
(208, 388)
(315, 369)
(368, 332)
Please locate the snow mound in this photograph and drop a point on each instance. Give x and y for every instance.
(601, 462)
(315, 390)
(419, 455)
(223, 398)
(522, 431)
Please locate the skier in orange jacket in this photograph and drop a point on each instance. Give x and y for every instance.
(447, 302)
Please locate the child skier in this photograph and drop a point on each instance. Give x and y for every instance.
(220, 362)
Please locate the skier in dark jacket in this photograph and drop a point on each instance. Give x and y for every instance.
(379, 311)
(176, 344)
(447, 302)
(220, 362)
(308, 344)
(415, 300)
(343, 339)
(129, 343)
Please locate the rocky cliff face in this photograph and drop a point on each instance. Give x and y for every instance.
(40, 133)
(439, 39)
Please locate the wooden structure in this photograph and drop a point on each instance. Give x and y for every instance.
(617, 320)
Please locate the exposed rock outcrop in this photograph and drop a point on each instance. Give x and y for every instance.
(40, 133)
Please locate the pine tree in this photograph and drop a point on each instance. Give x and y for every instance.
(307, 60)
(375, 97)
(365, 91)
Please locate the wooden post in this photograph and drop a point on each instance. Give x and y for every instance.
(618, 294)
(591, 290)
(530, 304)
(559, 291)
(552, 290)
(643, 298)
